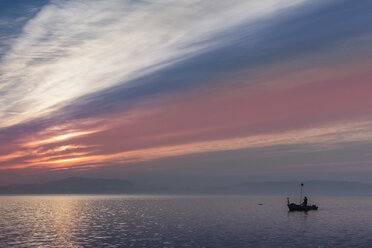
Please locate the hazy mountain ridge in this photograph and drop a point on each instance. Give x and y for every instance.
(72, 185)
(82, 185)
(313, 187)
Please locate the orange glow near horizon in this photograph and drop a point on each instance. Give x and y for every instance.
(325, 136)
(59, 138)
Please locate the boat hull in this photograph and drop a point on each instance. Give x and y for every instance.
(297, 207)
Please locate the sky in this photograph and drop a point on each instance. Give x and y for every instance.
(186, 93)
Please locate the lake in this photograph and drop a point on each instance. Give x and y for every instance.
(182, 221)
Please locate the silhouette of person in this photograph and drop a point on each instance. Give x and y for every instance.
(305, 201)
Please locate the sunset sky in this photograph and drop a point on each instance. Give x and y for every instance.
(193, 92)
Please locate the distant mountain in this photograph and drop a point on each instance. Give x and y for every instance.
(290, 188)
(72, 185)
(82, 185)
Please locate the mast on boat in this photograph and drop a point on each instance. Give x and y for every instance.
(302, 185)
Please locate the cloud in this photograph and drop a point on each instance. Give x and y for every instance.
(13, 16)
(97, 83)
(231, 118)
(297, 39)
(74, 156)
(72, 48)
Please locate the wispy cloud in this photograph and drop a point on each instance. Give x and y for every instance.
(260, 115)
(111, 82)
(72, 48)
(327, 138)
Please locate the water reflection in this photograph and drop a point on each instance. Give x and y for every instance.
(64, 220)
(119, 221)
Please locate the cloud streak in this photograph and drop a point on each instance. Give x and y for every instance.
(72, 48)
(326, 137)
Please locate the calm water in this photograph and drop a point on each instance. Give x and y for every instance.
(159, 221)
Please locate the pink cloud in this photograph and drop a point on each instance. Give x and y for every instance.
(193, 122)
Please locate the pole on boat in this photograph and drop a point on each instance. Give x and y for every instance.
(302, 185)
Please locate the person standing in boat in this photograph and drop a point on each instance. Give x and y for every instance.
(305, 202)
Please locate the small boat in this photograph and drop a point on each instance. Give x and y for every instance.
(301, 207)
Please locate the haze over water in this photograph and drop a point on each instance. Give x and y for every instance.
(181, 221)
